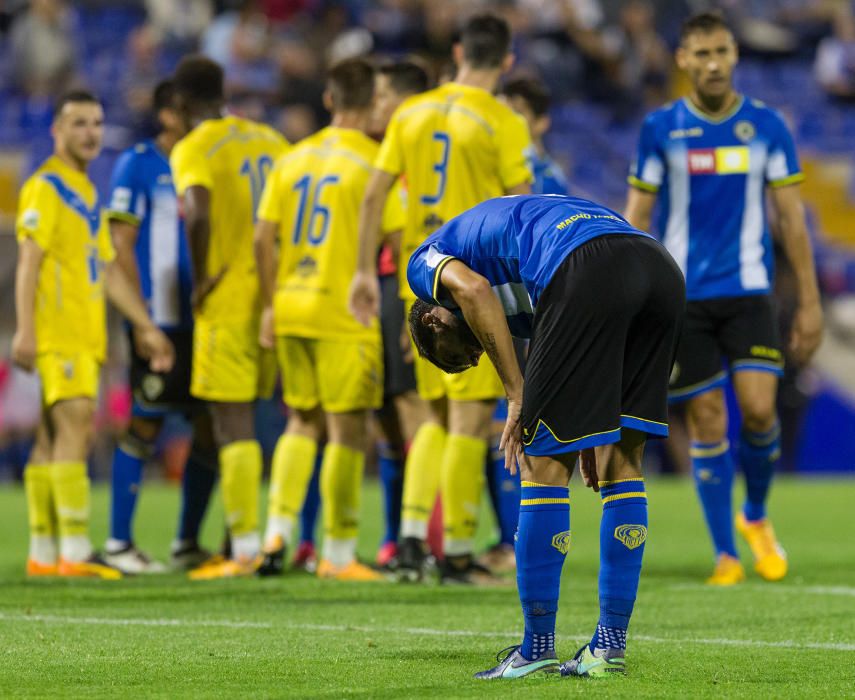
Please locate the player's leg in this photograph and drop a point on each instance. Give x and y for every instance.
(391, 450)
(42, 560)
(305, 556)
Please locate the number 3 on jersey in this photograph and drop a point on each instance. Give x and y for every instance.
(315, 232)
(440, 167)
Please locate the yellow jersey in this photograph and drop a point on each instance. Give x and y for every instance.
(314, 194)
(60, 211)
(455, 146)
(230, 157)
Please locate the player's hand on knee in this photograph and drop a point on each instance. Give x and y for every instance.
(266, 337)
(24, 349)
(511, 441)
(807, 332)
(364, 298)
(153, 345)
(588, 468)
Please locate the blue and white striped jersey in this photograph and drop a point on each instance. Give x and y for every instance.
(517, 243)
(142, 194)
(711, 177)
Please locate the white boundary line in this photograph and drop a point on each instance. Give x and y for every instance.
(846, 591)
(415, 631)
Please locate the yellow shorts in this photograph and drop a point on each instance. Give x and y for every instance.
(341, 376)
(480, 383)
(72, 376)
(228, 363)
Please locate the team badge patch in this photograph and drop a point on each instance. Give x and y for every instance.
(152, 387)
(632, 536)
(561, 542)
(744, 131)
(30, 218)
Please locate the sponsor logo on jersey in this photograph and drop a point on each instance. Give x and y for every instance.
(768, 353)
(694, 132)
(561, 541)
(632, 536)
(307, 266)
(725, 160)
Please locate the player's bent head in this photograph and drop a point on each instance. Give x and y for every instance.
(486, 42)
(442, 338)
(405, 78)
(199, 81)
(78, 125)
(350, 85)
(530, 97)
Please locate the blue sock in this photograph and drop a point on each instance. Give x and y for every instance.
(623, 532)
(312, 504)
(200, 476)
(543, 538)
(392, 479)
(504, 494)
(124, 487)
(712, 465)
(759, 454)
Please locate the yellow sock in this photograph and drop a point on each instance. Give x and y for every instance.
(70, 490)
(240, 470)
(421, 479)
(41, 513)
(461, 483)
(341, 487)
(293, 465)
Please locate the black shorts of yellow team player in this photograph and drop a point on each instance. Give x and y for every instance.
(605, 333)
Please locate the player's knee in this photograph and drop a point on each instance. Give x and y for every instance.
(307, 422)
(758, 414)
(233, 422)
(73, 427)
(138, 440)
(707, 417)
(144, 429)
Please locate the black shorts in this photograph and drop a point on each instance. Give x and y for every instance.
(605, 333)
(734, 333)
(398, 376)
(158, 393)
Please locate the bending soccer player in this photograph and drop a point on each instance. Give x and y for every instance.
(65, 268)
(602, 303)
(151, 248)
(332, 366)
(219, 170)
(714, 155)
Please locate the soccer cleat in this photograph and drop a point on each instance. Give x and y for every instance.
(515, 665)
(728, 571)
(305, 557)
(387, 556)
(273, 558)
(349, 572)
(130, 560)
(770, 559)
(36, 568)
(187, 555)
(600, 663)
(471, 573)
(414, 563)
(500, 559)
(225, 568)
(93, 567)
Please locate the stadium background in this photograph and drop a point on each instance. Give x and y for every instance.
(606, 62)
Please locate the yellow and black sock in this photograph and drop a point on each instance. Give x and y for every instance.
(240, 469)
(293, 465)
(461, 483)
(421, 480)
(341, 489)
(70, 489)
(41, 513)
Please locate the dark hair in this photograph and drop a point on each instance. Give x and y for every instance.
(486, 40)
(704, 22)
(425, 338)
(163, 96)
(199, 79)
(351, 84)
(406, 77)
(72, 96)
(532, 91)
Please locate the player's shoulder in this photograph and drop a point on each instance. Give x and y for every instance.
(253, 129)
(763, 114)
(45, 178)
(415, 103)
(666, 115)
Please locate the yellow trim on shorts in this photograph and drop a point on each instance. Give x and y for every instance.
(540, 422)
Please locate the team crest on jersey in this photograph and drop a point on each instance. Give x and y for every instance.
(30, 218)
(632, 536)
(744, 131)
(561, 541)
(152, 387)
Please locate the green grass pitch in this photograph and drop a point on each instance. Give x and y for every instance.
(299, 637)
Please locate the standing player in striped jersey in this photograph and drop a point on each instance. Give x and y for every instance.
(219, 170)
(332, 366)
(456, 146)
(712, 156)
(151, 248)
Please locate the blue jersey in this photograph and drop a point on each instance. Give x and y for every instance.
(517, 243)
(711, 177)
(142, 194)
(548, 176)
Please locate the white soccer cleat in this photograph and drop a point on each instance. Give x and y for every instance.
(130, 560)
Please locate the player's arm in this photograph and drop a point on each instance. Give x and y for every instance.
(364, 299)
(30, 257)
(807, 321)
(639, 208)
(124, 236)
(484, 313)
(197, 222)
(266, 260)
(151, 343)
